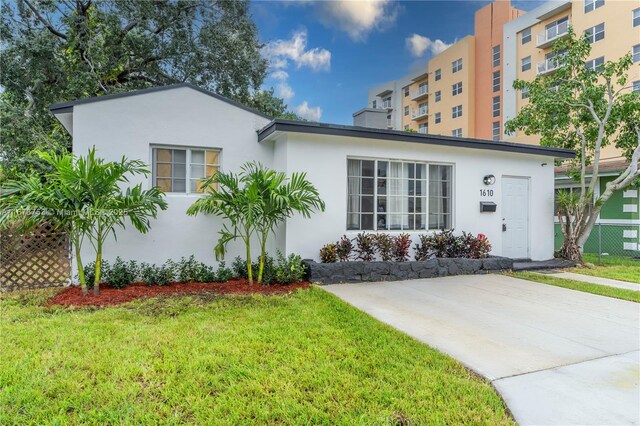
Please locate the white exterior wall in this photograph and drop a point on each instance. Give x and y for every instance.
(178, 117)
(324, 158)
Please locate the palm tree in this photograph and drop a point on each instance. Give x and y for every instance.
(83, 195)
(255, 201)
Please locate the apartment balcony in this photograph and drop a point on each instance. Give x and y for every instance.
(385, 105)
(419, 113)
(548, 36)
(547, 66)
(420, 93)
(423, 130)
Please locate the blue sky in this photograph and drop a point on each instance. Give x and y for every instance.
(325, 54)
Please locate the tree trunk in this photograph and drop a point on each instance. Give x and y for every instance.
(81, 277)
(96, 282)
(570, 249)
(263, 243)
(249, 267)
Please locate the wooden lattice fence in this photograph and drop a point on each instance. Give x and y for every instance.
(40, 258)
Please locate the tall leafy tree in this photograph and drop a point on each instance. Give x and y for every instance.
(59, 50)
(585, 108)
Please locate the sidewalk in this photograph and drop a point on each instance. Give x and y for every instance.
(594, 280)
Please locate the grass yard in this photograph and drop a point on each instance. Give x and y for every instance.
(304, 358)
(614, 267)
(618, 293)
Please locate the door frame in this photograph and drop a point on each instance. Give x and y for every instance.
(528, 179)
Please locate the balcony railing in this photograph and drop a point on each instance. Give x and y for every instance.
(420, 92)
(547, 66)
(419, 113)
(386, 104)
(389, 123)
(423, 130)
(551, 34)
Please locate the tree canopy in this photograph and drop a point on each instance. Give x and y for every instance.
(54, 51)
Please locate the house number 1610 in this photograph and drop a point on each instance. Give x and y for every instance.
(486, 192)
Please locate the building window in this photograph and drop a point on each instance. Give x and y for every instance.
(438, 74)
(496, 56)
(406, 195)
(456, 89)
(636, 53)
(495, 131)
(183, 170)
(496, 106)
(456, 111)
(595, 33)
(423, 128)
(438, 96)
(636, 87)
(595, 64)
(406, 127)
(406, 91)
(525, 93)
(496, 81)
(635, 18)
(437, 118)
(374, 104)
(526, 64)
(525, 36)
(406, 110)
(590, 5)
(456, 65)
(457, 133)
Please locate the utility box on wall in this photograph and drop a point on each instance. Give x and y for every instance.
(487, 206)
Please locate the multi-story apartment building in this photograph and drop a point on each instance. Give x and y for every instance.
(467, 90)
(384, 106)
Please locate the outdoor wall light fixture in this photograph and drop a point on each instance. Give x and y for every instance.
(489, 180)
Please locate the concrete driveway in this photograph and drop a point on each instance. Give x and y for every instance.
(557, 356)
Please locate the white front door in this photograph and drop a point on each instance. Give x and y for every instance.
(515, 217)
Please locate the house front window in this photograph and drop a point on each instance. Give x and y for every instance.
(183, 170)
(398, 195)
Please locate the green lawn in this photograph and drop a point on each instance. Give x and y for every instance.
(618, 293)
(306, 358)
(614, 267)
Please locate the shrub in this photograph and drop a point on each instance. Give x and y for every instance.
(365, 247)
(290, 269)
(445, 244)
(90, 272)
(121, 273)
(480, 247)
(188, 269)
(239, 268)
(344, 247)
(223, 274)
(384, 244)
(268, 273)
(401, 245)
(328, 253)
(205, 274)
(157, 275)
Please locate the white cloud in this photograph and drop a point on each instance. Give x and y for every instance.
(285, 91)
(279, 75)
(307, 112)
(418, 45)
(280, 53)
(358, 17)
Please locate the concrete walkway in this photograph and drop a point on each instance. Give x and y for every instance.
(595, 280)
(557, 356)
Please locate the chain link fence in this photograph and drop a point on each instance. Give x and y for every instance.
(609, 240)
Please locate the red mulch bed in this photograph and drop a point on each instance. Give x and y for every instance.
(72, 296)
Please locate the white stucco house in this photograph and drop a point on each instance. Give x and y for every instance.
(371, 180)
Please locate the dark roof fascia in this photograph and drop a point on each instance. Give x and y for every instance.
(68, 106)
(399, 136)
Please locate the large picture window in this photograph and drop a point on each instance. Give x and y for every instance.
(183, 170)
(398, 195)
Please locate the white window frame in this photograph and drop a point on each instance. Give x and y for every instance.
(456, 66)
(593, 63)
(406, 91)
(456, 88)
(525, 36)
(456, 111)
(635, 87)
(437, 119)
(406, 110)
(595, 33)
(496, 81)
(635, 18)
(495, 131)
(525, 64)
(524, 93)
(457, 133)
(188, 165)
(438, 95)
(423, 126)
(496, 106)
(437, 74)
(635, 51)
(496, 56)
(591, 5)
(426, 196)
